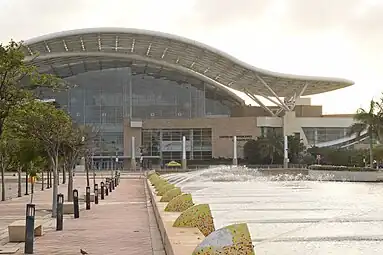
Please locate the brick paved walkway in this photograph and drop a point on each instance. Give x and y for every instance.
(118, 225)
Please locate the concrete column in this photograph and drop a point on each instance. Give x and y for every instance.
(191, 144)
(289, 123)
(286, 153)
(315, 136)
(133, 153)
(235, 159)
(161, 135)
(184, 163)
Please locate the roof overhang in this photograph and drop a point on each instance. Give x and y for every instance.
(208, 64)
(68, 60)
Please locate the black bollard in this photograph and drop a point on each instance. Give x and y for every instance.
(107, 189)
(96, 194)
(29, 229)
(87, 198)
(102, 190)
(76, 209)
(110, 185)
(60, 213)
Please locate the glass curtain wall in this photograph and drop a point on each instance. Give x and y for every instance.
(324, 134)
(165, 99)
(103, 99)
(167, 143)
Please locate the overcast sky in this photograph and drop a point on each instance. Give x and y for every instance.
(341, 38)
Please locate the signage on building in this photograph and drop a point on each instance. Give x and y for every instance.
(174, 146)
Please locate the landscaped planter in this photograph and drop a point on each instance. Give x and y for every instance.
(341, 173)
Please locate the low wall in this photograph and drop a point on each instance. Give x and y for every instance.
(353, 176)
(187, 228)
(177, 241)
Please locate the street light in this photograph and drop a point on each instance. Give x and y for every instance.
(112, 161)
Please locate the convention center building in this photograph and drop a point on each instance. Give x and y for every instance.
(151, 89)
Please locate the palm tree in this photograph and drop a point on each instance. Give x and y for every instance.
(271, 146)
(295, 148)
(370, 120)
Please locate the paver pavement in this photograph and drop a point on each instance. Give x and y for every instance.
(120, 224)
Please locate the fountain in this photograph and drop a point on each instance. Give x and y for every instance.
(292, 214)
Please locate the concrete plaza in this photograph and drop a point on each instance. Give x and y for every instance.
(123, 223)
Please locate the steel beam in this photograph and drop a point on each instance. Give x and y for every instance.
(272, 92)
(259, 102)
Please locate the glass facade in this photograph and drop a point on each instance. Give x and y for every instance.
(277, 131)
(324, 134)
(104, 98)
(167, 143)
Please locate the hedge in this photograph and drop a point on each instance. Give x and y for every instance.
(341, 168)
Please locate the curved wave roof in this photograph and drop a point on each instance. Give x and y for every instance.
(116, 47)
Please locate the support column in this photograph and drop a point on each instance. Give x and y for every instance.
(161, 156)
(235, 159)
(315, 136)
(184, 163)
(130, 95)
(286, 153)
(191, 144)
(133, 153)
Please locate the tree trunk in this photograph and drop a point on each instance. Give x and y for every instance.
(70, 184)
(87, 173)
(94, 177)
(19, 182)
(32, 190)
(371, 148)
(2, 184)
(26, 183)
(64, 174)
(48, 178)
(42, 180)
(55, 161)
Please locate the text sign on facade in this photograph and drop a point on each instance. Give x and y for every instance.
(174, 146)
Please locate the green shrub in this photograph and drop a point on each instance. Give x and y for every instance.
(341, 168)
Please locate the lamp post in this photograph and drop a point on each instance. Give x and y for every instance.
(112, 161)
(93, 169)
(116, 161)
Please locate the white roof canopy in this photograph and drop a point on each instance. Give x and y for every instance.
(83, 50)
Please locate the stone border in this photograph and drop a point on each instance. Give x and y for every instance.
(232, 239)
(198, 216)
(183, 231)
(180, 203)
(169, 195)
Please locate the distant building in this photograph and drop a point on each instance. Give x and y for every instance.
(158, 87)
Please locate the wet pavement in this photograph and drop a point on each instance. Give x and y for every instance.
(295, 217)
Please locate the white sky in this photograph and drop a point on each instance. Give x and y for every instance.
(341, 38)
